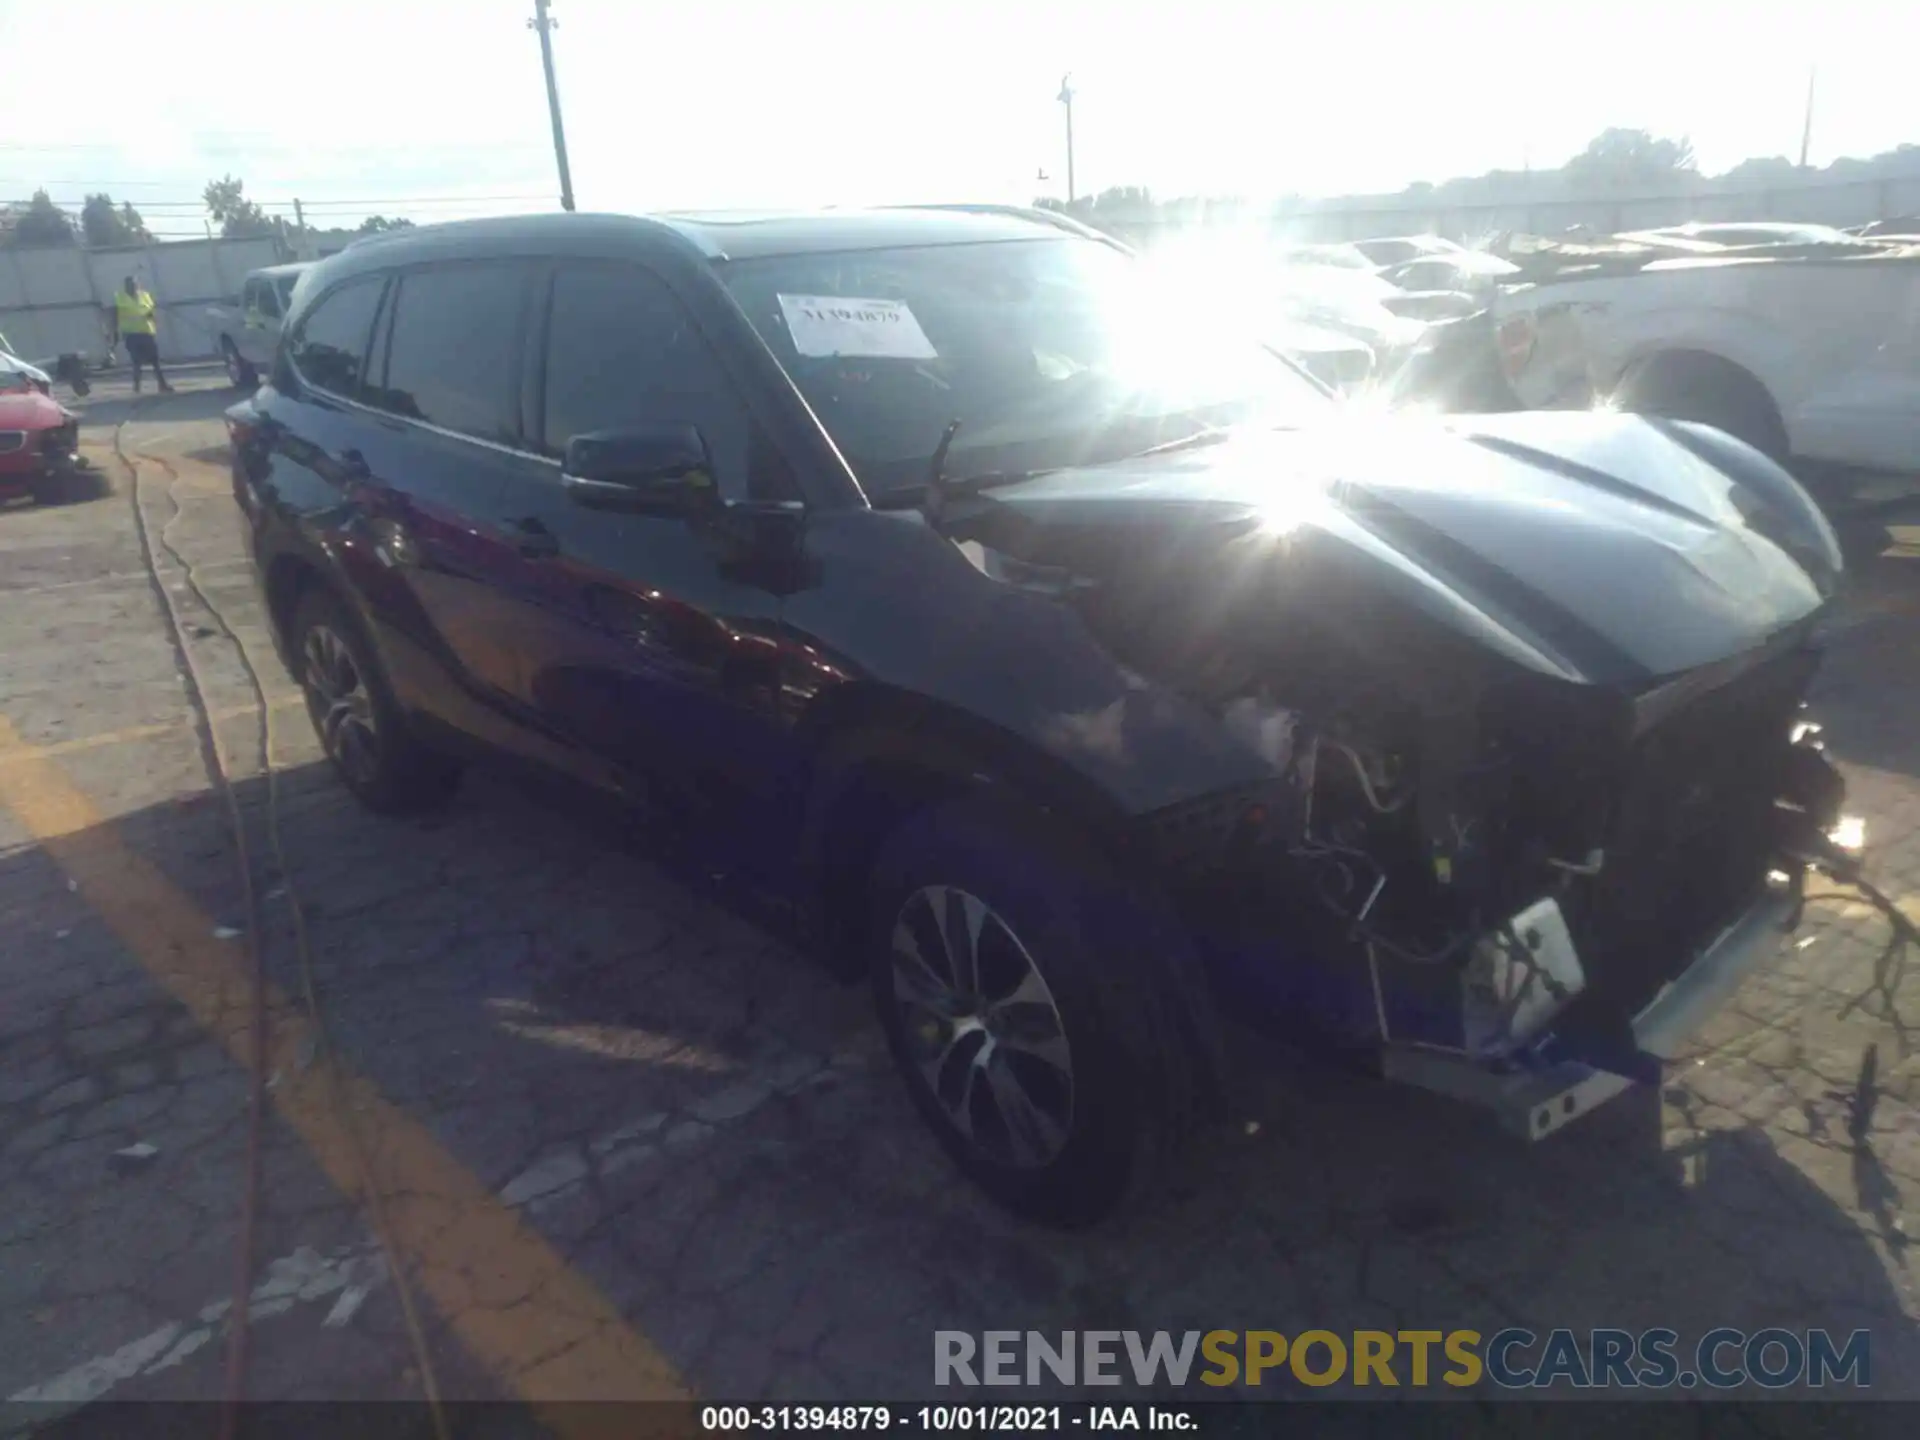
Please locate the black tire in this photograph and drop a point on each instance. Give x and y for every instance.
(1709, 392)
(240, 374)
(368, 743)
(53, 487)
(1124, 992)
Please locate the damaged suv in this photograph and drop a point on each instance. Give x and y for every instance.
(1069, 667)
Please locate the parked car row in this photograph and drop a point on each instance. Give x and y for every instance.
(1802, 340)
(1060, 660)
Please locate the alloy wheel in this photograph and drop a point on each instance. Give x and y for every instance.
(236, 372)
(341, 704)
(982, 1026)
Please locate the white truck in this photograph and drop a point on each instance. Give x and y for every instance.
(1809, 352)
(248, 332)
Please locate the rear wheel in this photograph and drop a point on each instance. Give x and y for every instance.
(239, 373)
(1033, 1009)
(362, 730)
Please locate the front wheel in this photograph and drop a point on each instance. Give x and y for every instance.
(362, 730)
(1034, 1009)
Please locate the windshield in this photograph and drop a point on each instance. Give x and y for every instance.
(1049, 352)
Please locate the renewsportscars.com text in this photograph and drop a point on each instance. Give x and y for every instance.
(1514, 1359)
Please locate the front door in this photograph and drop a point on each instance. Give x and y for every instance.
(651, 641)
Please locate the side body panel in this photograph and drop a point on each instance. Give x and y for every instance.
(1835, 343)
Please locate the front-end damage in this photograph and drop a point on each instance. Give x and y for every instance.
(1528, 911)
(1508, 850)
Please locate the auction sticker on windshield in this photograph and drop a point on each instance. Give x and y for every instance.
(823, 325)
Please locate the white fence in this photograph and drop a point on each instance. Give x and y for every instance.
(55, 301)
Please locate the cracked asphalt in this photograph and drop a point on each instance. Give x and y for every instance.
(599, 1134)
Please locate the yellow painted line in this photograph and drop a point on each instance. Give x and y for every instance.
(510, 1297)
(106, 738)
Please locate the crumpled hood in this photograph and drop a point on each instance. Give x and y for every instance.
(1599, 548)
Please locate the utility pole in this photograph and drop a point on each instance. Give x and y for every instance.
(545, 23)
(1065, 97)
(1806, 130)
(299, 215)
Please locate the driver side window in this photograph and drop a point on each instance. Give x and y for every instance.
(623, 352)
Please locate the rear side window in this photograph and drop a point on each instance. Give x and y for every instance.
(453, 357)
(330, 349)
(622, 352)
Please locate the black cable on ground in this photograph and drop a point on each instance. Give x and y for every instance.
(214, 756)
(215, 761)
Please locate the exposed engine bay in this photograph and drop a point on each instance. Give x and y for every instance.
(1477, 850)
(1505, 869)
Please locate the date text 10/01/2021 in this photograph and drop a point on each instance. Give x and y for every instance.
(989, 1419)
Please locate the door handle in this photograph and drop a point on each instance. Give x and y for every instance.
(533, 539)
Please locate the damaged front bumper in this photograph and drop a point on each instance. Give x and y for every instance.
(1534, 1100)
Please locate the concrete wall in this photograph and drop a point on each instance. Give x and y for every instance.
(55, 301)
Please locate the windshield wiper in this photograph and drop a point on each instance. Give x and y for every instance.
(940, 489)
(1208, 435)
(935, 503)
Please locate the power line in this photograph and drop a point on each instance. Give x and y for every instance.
(179, 208)
(271, 143)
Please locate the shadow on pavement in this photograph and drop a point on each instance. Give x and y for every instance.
(526, 986)
(1868, 692)
(193, 398)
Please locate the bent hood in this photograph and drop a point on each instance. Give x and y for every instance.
(1597, 548)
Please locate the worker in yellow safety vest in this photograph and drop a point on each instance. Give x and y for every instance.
(134, 322)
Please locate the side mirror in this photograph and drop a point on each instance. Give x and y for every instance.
(654, 470)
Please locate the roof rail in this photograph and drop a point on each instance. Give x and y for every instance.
(1034, 213)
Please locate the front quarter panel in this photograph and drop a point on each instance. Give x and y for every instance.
(897, 605)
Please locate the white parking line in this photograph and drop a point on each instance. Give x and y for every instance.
(351, 1275)
(305, 1275)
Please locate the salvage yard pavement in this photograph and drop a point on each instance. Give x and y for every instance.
(548, 1120)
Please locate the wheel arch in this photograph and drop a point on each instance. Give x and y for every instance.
(880, 755)
(1674, 365)
(287, 578)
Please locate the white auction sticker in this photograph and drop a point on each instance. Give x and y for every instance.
(842, 325)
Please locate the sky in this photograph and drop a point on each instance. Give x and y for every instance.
(436, 108)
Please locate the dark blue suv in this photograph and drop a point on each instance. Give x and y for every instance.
(1060, 659)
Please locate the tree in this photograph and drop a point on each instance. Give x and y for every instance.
(103, 225)
(1620, 159)
(42, 223)
(229, 208)
(1123, 199)
(377, 224)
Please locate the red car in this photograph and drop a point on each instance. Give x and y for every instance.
(39, 440)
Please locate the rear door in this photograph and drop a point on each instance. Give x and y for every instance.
(650, 641)
(440, 438)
